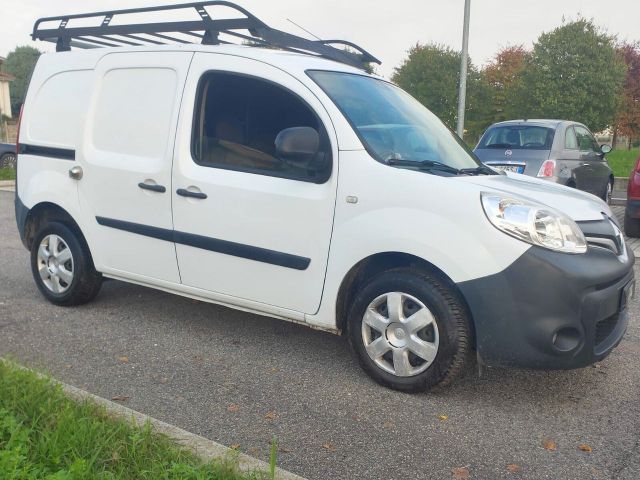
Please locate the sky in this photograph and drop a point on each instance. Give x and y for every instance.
(387, 28)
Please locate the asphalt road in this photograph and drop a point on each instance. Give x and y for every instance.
(188, 361)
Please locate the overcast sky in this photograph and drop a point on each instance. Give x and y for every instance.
(385, 28)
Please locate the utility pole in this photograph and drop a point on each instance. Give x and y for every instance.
(462, 93)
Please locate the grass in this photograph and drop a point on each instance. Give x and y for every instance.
(7, 173)
(46, 435)
(623, 161)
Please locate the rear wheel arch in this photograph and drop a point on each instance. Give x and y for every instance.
(45, 212)
(374, 265)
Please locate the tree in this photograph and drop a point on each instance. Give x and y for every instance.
(574, 73)
(628, 117)
(431, 73)
(20, 63)
(504, 77)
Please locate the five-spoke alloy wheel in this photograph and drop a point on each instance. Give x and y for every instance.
(410, 329)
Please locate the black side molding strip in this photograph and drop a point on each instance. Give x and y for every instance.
(53, 152)
(226, 247)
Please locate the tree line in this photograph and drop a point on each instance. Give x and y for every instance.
(575, 72)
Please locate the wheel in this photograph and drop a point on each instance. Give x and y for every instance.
(8, 160)
(608, 192)
(62, 266)
(631, 226)
(410, 330)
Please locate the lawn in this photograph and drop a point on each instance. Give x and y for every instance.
(7, 173)
(622, 161)
(44, 434)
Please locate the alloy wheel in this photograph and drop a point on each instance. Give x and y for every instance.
(55, 263)
(400, 334)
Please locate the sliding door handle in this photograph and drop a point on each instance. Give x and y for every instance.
(153, 187)
(183, 192)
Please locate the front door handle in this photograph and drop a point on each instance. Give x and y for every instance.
(183, 192)
(153, 187)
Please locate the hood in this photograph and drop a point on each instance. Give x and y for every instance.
(578, 205)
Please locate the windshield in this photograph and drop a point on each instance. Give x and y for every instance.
(516, 137)
(391, 123)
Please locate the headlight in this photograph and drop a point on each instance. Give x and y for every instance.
(534, 223)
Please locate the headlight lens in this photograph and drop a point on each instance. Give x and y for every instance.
(534, 223)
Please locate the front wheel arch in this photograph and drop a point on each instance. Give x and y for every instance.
(374, 265)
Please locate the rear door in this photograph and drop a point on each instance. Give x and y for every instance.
(126, 155)
(248, 225)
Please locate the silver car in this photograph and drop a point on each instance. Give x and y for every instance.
(561, 151)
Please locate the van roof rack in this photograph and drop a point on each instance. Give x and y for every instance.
(205, 30)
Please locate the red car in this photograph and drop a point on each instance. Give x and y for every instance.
(632, 211)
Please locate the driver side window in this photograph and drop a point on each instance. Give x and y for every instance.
(237, 121)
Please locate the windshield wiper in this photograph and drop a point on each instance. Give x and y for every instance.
(423, 165)
(479, 170)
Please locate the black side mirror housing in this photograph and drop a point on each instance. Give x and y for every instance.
(297, 144)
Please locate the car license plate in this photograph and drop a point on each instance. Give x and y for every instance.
(628, 292)
(508, 168)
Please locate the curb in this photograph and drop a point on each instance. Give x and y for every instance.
(620, 183)
(7, 183)
(204, 448)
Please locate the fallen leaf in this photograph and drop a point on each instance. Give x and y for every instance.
(233, 408)
(443, 417)
(388, 424)
(120, 398)
(329, 446)
(115, 456)
(164, 380)
(550, 445)
(514, 468)
(461, 473)
(284, 449)
(234, 446)
(123, 359)
(271, 416)
(585, 448)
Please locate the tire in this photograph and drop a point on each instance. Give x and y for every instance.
(8, 160)
(631, 226)
(447, 332)
(66, 277)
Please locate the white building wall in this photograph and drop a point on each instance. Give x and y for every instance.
(5, 100)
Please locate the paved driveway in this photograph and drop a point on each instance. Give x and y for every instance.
(187, 362)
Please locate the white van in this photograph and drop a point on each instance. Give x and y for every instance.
(288, 182)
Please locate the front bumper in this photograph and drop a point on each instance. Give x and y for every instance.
(551, 310)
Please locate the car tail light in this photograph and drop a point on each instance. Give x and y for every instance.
(633, 187)
(18, 130)
(547, 168)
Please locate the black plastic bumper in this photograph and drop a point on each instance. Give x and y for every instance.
(21, 218)
(633, 208)
(551, 310)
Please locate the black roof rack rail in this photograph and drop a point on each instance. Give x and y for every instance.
(204, 30)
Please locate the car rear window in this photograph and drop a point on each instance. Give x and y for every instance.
(514, 137)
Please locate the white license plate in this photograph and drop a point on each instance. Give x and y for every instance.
(509, 168)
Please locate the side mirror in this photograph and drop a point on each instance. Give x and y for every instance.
(297, 144)
(605, 148)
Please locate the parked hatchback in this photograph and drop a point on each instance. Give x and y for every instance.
(556, 150)
(296, 185)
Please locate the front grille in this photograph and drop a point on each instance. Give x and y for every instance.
(605, 327)
(603, 234)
